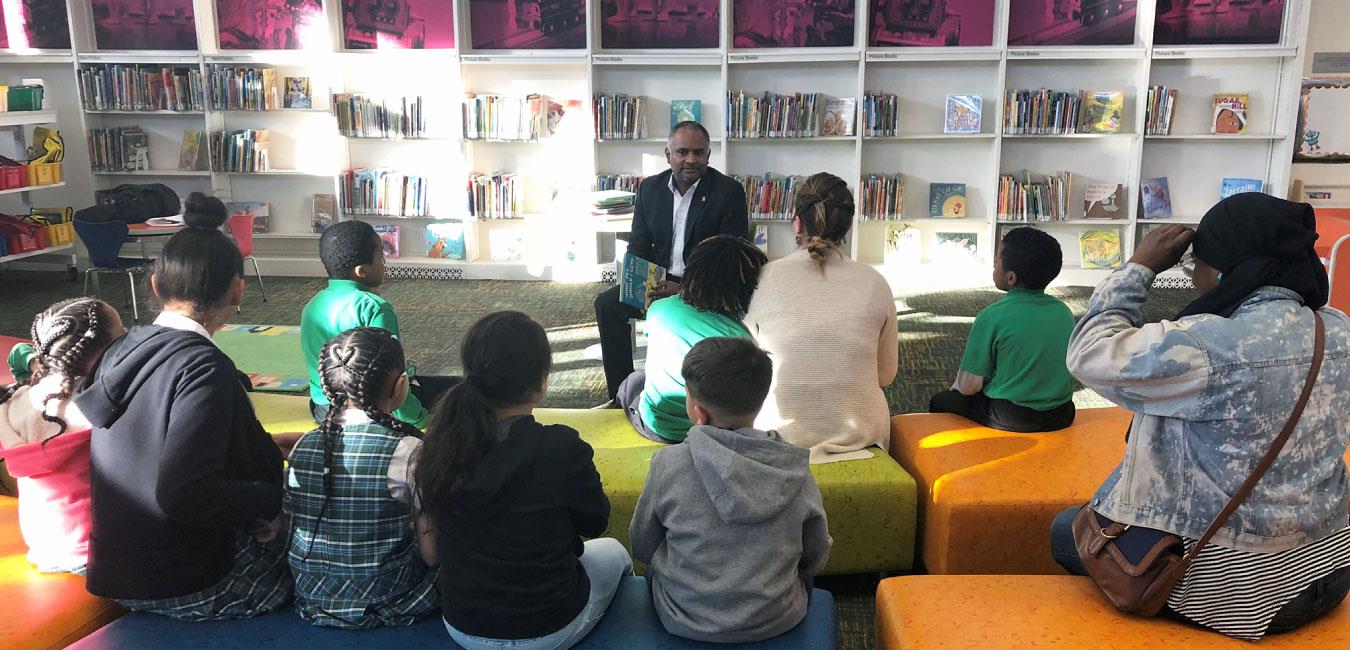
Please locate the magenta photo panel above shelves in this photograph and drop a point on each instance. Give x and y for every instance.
(39, 24)
(398, 24)
(1185, 22)
(792, 23)
(1071, 22)
(271, 24)
(144, 25)
(930, 23)
(527, 24)
(659, 24)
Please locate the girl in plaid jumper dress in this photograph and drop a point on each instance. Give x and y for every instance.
(354, 541)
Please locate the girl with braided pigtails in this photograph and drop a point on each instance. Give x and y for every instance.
(44, 438)
(359, 550)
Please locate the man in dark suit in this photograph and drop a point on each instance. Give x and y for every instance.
(672, 213)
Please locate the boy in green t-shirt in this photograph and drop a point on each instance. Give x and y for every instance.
(353, 255)
(1013, 375)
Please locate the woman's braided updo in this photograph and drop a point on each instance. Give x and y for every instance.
(824, 206)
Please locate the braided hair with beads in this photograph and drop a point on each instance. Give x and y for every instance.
(67, 338)
(354, 369)
(721, 275)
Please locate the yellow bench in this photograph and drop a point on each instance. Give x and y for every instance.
(987, 497)
(915, 612)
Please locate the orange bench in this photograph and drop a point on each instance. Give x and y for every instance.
(1051, 612)
(41, 610)
(987, 497)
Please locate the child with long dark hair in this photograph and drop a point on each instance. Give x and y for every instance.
(187, 485)
(44, 438)
(511, 499)
(354, 550)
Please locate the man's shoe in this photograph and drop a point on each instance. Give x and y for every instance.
(611, 404)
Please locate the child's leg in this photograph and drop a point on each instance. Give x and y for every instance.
(258, 583)
(971, 407)
(1009, 416)
(429, 388)
(628, 399)
(606, 562)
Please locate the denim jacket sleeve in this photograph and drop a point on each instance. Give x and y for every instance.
(1155, 368)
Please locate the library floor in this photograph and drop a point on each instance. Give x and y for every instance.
(434, 314)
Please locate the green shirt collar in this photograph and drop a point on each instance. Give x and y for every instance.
(347, 285)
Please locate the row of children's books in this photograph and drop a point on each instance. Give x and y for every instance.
(240, 151)
(770, 115)
(244, 89)
(620, 117)
(501, 117)
(360, 116)
(1024, 199)
(1155, 197)
(625, 182)
(770, 196)
(444, 240)
(496, 196)
(883, 197)
(880, 115)
(1052, 112)
(384, 192)
(120, 87)
(119, 149)
(1162, 106)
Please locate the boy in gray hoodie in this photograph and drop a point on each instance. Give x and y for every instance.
(730, 523)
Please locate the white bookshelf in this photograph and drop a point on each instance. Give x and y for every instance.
(562, 240)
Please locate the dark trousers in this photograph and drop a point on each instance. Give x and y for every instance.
(1314, 602)
(616, 343)
(426, 388)
(1001, 414)
(628, 397)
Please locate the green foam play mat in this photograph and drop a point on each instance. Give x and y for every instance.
(269, 354)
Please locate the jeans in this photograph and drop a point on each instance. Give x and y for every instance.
(606, 562)
(1314, 602)
(629, 399)
(1001, 414)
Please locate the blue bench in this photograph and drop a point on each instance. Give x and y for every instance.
(630, 623)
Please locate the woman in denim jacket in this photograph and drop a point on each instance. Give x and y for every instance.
(1210, 391)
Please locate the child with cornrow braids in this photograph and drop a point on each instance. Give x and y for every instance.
(359, 550)
(44, 437)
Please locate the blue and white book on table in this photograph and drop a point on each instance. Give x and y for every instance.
(640, 278)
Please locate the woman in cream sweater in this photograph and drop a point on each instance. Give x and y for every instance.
(829, 324)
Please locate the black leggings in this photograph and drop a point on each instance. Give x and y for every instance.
(1000, 413)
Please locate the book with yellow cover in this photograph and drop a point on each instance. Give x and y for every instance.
(1102, 111)
(1099, 249)
(1230, 113)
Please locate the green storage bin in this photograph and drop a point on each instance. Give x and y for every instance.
(25, 98)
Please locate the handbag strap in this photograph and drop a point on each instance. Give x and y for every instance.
(1319, 346)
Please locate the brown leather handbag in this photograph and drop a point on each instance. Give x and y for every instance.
(1136, 568)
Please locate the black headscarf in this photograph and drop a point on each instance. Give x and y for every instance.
(1257, 240)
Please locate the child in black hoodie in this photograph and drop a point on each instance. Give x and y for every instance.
(186, 484)
(511, 499)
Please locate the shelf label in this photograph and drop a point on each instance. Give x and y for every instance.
(1023, 54)
(744, 57)
(475, 59)
(883, 56)
(607, 59)
(1169, 52)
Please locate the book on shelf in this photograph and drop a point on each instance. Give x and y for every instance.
(1162, 106)
(612, 202)
(770, 115)
(1104, 201)
(1025, 199)
(502, 117)
(903, 245)
(362, 116)
(244, 89)
(964, 114)
(119, 149)
(640, 278)
(386, 192)
(883, 197)
(1231, 186)
(190, 152)
(445, 240)
(259, 211)
(947, 200)
(619, 117)
(1230, 113)
(506, 244)
(1099, 249)
(496, 196)
(297, 93)
(685, 110)
(956, 247)
(880, 114)
(122, 87)
(325, 211)
(1041, 112)
(1155, 200)
(389, 239)
(839, 116)
(770, 197)
(240, 151)
(761, 239)
(625, 182)
(1102, 111)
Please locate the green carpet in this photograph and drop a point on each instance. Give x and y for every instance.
(269, 354)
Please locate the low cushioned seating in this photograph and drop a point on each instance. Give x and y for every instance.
(987, 497)
(870, 503)
(630, 623)
(41, 610)
(1051, 612)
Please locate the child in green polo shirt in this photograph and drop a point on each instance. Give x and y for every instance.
(1013, 376)
(353, 255)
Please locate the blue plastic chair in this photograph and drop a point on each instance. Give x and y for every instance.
(104, 242)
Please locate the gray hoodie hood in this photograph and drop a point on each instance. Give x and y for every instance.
(750, 475)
